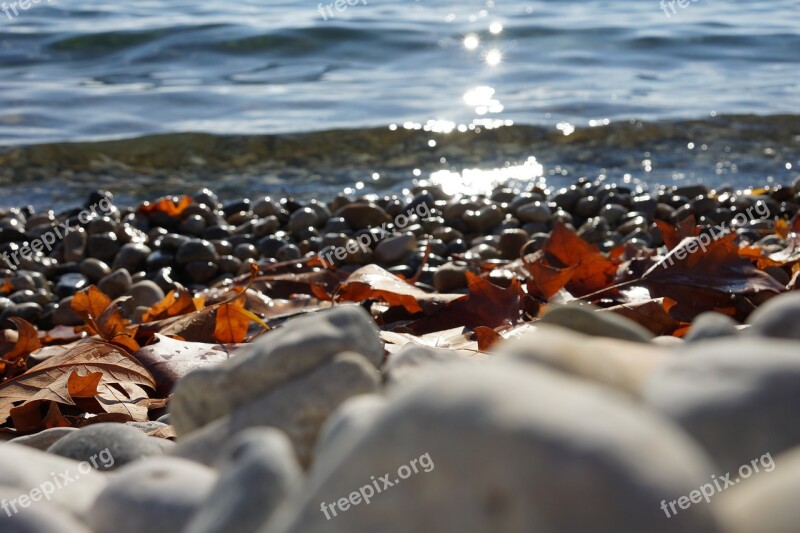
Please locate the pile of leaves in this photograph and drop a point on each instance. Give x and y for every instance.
(110, 369)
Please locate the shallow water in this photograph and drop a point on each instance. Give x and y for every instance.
(93, 70)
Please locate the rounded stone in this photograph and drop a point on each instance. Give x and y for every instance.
(450, 276)
(201, 271)
(116, 284)
(395, 248)
(120, 444)
(302, 218)
(64, 315)
(229, 264)
(42, 517)
(245, 250)
(258, 470)
(737, 397)
(196, 250)
(29, 311)
(146, 293)
(767, 503)
(94, 269)
(159, 259)
(361, 216)
(534, 212)
(511, 243)
(75, 244)
(69, 284)
(23, 282)
(591, 321)
(132, 257)
(598, 448)
(711, 325)
(777, 318)
(103, 246)
(155, 494)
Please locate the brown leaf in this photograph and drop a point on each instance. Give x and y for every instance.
(37, 416)
(168, 360)
(27, 342)
(90, 303)
(547, 279)
(590, 272)
(7, 287)
(49, 380)
(486, 305)
(374, 283)
(487, 337)
(114, 328)
(167, 432)
(653, 314)
(703, 277)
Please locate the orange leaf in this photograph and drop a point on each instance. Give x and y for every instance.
(564, 248)
(7, 287)
(548, 279)
(177, 302)
(83, 386)
(781, 228)
(171, 206)
(89, 304)
(27, 341)
(486, 337)
(231, 326)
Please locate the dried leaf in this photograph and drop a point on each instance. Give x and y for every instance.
(27, 342)
(486, 305)
(49, 380)
(231, 325)
(487, 337)
(170, 206)
(90, 303)
(590, 270)
(168, 360)
(175, 303)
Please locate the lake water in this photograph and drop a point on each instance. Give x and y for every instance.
(94, 70)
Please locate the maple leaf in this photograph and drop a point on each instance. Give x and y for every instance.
(568, 261)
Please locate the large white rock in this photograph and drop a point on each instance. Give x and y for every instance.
(505, 448)
(303, 344)
(72, 485)
(737, 397)
(299, 408)
(152, 494)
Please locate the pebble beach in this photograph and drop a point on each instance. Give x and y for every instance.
(294, 429)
